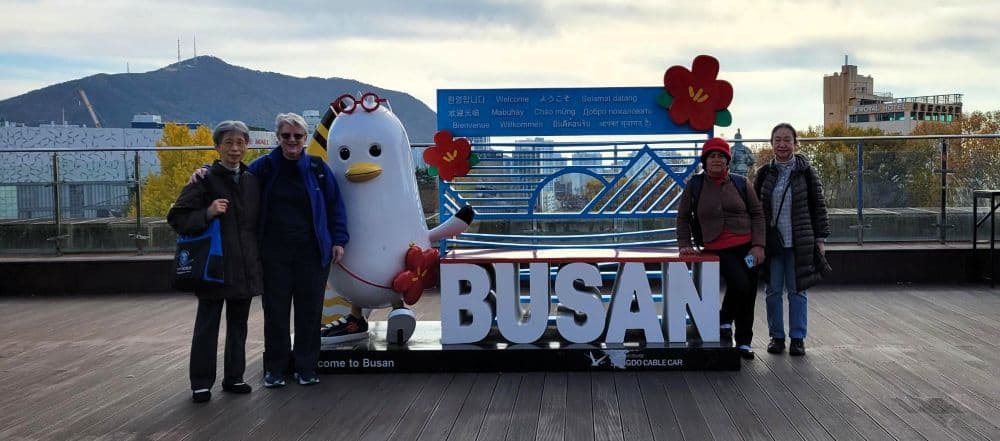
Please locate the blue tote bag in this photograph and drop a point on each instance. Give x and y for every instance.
(198, 261)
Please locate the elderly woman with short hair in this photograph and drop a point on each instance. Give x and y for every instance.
(228, 192)
(303, 230)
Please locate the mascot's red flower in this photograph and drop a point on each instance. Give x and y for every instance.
(696, 96)
(420, 273)
(448, 157)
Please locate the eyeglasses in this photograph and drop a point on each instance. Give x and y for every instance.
(230, 143)
(347, 104)
(297, 136)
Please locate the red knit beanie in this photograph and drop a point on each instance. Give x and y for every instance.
(716, 144)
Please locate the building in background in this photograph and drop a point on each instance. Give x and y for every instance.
(95, 179)
(850, 99)
(532, 160)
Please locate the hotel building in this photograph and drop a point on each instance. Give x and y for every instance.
(850, 99)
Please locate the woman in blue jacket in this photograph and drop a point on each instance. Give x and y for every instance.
(303, 230)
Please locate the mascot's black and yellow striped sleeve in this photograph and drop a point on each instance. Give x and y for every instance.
(317, 145)
(335, 306)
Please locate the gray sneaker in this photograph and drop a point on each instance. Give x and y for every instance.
(307, 379)
(273, 380)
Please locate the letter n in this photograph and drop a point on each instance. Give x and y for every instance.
(682, 296)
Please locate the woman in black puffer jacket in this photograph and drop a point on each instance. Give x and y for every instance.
(232, 194)
(792, 196)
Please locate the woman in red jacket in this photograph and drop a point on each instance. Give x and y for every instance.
(727, 219)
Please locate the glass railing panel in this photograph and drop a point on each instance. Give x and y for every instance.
(976, 166)
(27, 215)
(901, 190)
(94, 198)
(837, 168)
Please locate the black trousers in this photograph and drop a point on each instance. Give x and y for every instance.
(298, 279)
(205, 342)
(741, 292)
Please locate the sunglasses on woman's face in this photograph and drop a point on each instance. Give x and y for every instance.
(297, 136)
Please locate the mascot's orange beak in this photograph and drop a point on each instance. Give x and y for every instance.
(363, 171)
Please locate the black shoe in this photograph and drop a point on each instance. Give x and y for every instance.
(746, 352)
(797, 348)
(237, 388)
(726, 335)
(776, 346)
(201, 396)
(346, 328)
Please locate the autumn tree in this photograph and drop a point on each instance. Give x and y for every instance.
(976, 161)
(160, 190)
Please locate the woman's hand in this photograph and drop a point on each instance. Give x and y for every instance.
(338, 253)
(758, 254)
(821, 245)
(218, 207)
(689, 250)
(198, 175)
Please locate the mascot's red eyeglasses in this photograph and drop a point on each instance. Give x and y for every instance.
(346, 103)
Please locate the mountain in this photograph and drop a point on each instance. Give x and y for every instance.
(203, 89)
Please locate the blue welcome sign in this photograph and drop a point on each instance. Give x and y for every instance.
(559, 111)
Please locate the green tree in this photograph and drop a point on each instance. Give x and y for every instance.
(160, 190)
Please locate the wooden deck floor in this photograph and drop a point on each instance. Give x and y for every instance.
(883, 363)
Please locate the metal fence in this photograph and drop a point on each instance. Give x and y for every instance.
(884, 188)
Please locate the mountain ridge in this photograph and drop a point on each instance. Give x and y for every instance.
(203, 89)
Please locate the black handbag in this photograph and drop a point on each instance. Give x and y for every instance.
(775, 243)
(198, 262)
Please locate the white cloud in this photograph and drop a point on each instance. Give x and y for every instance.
(774, 52)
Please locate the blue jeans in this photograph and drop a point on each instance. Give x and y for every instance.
(782, 278)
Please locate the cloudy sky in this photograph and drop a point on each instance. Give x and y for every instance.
(775, 53)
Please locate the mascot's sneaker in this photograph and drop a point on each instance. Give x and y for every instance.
(346, 328)
(401, 324)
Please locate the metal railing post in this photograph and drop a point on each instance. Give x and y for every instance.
(56, 204)
(861, 193)
(942, 222)
(137, 235)
(943, 215)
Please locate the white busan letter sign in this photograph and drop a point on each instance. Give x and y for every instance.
(632, 283)
(453, 302)
(682, 294)
(514, 323)
(583, 302)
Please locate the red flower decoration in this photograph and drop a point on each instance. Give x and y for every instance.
(697, 94)
(450, 157)
(422, 267)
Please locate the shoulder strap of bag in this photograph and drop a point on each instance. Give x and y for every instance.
(316, 167)
(784, 195)
(740, 182)
(695, 184)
